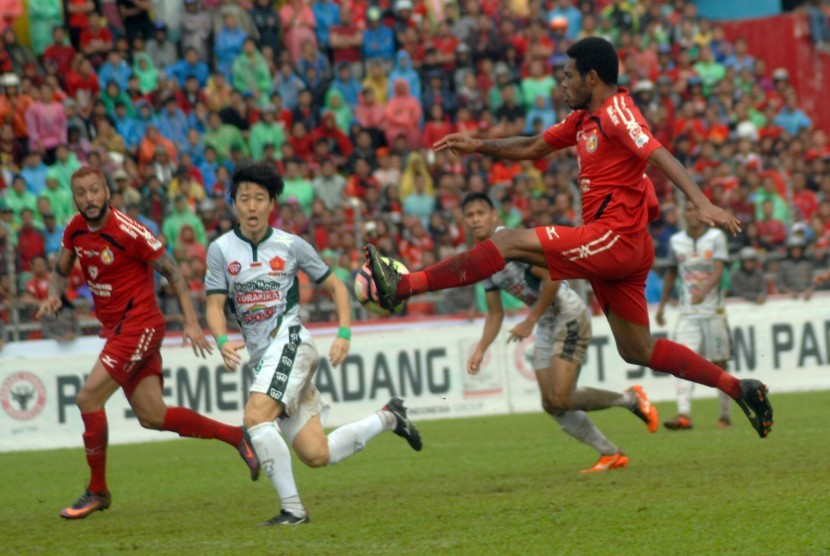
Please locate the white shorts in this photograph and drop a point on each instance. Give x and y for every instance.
(708, 337)
(567, 339)
(286, 374)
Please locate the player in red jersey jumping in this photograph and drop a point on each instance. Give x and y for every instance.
(613, 249)
(118, 257)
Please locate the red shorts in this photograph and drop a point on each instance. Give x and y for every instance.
(130, 357)
(617, 265)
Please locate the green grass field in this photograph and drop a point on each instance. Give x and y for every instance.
(496, 485)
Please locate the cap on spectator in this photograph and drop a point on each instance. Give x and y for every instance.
(501, 69)
(373, 13)
(161, 26)
(382, 151)
(558, 22)
(643, 85)
(664, 49)
(121, 175)
(462, 47)
(780, 74)
(402, 5)
(9, 80)
(207, 205)
(749, 254)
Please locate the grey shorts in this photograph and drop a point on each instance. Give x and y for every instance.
(567, 339)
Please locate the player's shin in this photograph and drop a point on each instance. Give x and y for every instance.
(352, 438)
(680, 361)
(95, 442)
(188, 423)
(578, 425)
(464, 269)
(276, 462)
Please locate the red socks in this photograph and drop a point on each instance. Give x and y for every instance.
(95, 442)
(680, 361)
(469, 267)
(188, 423)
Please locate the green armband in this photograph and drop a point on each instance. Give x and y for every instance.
(344, 333)
(221, 341)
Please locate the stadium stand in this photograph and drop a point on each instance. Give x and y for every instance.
(345, 98)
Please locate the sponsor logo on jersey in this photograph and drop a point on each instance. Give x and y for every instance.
(234, 268)
(591, 143)
(100, 290)
(257, 297)
(256, 265)
(23, 396)
(80, 252)
(106, 256)
(277, 263)
(93, 271)
(258, 313)
(256, 285)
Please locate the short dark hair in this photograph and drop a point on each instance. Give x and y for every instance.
(259, 173)
(477, 196)
(595, 53)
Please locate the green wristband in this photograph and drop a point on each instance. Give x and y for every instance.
(221, 341)
(344, 333)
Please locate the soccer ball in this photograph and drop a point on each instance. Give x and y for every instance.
(364, 288)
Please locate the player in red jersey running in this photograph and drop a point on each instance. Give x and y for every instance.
(613, 249)
(118, 257)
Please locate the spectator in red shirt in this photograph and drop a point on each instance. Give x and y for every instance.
(772, 232)
(96, 40)
(30, 240)
(346, 42)
(804, 200)
(82, 86)
(37, 287)
(59, 52)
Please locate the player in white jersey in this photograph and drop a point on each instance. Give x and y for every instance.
(699, 255)
(563, 333)
(255, 267)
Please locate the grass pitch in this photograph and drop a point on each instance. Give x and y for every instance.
(496, 485)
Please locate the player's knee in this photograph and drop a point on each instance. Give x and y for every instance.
(506, 242)
(634, 354)
(152, 422)
(555, 404)
(316, 456)
(87, 401)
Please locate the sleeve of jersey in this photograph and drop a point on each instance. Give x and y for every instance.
(720, 250)
(629, 127)
(67, 236)
(563, 134)
(309, 261)
(216, 281)
(144, 244)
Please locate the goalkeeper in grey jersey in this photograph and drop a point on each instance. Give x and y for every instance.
(563, 333)
(255, 266)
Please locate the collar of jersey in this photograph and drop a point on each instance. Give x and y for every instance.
(267, 235)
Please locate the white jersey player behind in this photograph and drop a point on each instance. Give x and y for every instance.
(563, 334)
(255, 267)
(699, 255)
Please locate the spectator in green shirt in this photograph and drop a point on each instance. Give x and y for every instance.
(251, 73)
(709, 70)
(266, 131)
(223, 137)
(297, 187)
(538, 83)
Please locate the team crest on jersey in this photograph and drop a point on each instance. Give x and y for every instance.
(277, 263)
(106, 256)
(591, 143)
(93, 272)
(234, 268)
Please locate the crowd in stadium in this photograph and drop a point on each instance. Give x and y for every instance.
(346, 100)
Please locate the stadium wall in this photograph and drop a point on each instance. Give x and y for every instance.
(785, 343)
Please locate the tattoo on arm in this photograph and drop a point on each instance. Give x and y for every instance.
(63, 266)
(167, 267)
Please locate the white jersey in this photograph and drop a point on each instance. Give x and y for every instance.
(695, 261)
(517, 280)
(261, 282)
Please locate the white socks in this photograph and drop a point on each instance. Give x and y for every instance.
(578, 425)
(352, 438)
(275, 458)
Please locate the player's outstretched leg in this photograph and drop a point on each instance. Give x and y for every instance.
(248, 453)
(643, 409)
(403, 426)
(88, 503)
(579, 426)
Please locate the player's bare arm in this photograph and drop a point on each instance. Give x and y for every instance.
(712, 282)
(57, 282)
(218, 325)
(492, 326)
(668, 286)
(167, 267)
(510, 148)
(706, 211)
(342, 305)
(547, 295)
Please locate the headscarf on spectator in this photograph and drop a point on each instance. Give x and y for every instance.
(377, 81)
(146, 71)
(403, 116)
(415, 165)
(330, 130)
(368, 115)
(111, 98)
(188, 242)
(152, 140)
(298, 23)
(342, 113)
(403, 70)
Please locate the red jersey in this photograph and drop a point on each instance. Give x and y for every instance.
(613, 145)
(115, 260)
